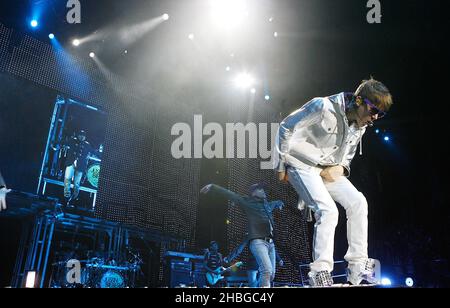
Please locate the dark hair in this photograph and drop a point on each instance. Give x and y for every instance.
(376, 92)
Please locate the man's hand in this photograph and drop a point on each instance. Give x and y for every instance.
(3, 192)
(283, 176)
(331, 174)
(206, 189)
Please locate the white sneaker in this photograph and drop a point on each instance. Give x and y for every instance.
(320, 279)
(362, 273)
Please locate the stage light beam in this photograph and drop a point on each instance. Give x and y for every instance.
(244, 81)
(76, 42)
(92, 55)
(228, 14)
(51, 36)
(34, 23)
(165, 16)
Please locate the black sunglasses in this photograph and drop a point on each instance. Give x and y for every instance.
(374, 110)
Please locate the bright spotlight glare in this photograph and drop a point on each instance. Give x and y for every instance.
(30, 280)
(409, 282)
(34, 23)
(253, 90)
(228, 13)
(387, 138)
(377, 131)
(51, 36)
(191, 36)
(165, 16)
(227, 68)
(275, 34)
(91, 54)
(244, 81)
(76, 42)
(267, 97)
(386, 282)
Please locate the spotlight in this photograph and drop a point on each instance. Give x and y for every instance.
(165, 16)
(275, 34)
(377, 131)
(191, 36)
(409, 282)
(31, 279)
(34, 23)
(386, 282)
(51, 36)
(92, 55)
(253, 90)
(244, 80)
(76, 42)
(227, 68)
(270, 19)
(267, 97)
(228, 14)
(386, 138)
(125, 52)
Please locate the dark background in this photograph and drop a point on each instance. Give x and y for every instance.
(323, 48)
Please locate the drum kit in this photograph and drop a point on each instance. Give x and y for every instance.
(100, 270)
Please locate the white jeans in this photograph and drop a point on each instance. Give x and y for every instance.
(321, 197)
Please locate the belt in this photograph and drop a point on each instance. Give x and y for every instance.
(267, 239)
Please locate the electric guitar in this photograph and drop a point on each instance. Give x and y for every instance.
(217, 275)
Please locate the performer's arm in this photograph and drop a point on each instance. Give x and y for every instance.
(276, 205)
(278, 258)
(236, 251)
(223, 192)
(3, 192)
(309, 114)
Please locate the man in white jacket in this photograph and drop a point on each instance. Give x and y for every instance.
(313, 151)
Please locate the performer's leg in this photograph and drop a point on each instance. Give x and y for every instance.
(273, 260)
(68, 176)
(355, 206)
(311, 189)
(360, 267)
(77, 183)
(252, 277)
(260, 250)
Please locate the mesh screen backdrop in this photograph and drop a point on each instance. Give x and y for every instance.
(291, 228)
(140, 183)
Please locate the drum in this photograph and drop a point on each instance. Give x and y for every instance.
(93, 174)
(112, 279)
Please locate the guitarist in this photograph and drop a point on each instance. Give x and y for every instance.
(213, 258)
(260, 226)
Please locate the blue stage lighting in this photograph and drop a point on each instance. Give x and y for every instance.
(386, 138)
(409, 282)
(377, 131)
(34, 23)
(386, 282)
(51, 36)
